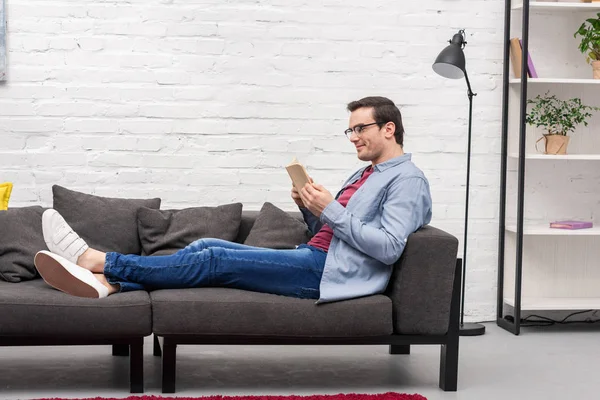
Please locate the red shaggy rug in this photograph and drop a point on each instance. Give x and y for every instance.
(350, 396)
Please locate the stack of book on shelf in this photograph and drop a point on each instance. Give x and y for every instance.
(571, 224)
(516, 56)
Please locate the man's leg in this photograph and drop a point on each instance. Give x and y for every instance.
(288, 272)
(95, 260)
(294, 273)
(202, 244)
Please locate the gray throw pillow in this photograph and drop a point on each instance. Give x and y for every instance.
(105, 223)
(277, 229)
(166, 231)
(20, 238)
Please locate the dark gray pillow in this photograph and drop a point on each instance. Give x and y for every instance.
(105, 223)
(20, 238)
(166, 231)
(276, 229)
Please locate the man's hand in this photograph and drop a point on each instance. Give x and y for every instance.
(296, 195)
(315, 197)
(296, 198)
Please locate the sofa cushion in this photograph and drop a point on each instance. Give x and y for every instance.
(224, 311)
(277, 229)
(20, 238)
(166, 231)
(248, 219)
(105, 223)
(35, 309)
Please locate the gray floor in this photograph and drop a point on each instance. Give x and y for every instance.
(549, 363)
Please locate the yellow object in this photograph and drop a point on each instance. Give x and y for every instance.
(5, 189)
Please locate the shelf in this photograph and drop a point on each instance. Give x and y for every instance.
(556, 303)
(545, 230)
(566, 157)
(546, 5)
(516, 81)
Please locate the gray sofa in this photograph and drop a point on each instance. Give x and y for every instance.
(419, 307)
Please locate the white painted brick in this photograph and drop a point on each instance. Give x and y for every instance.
(122, 143)
(75, 109)
(192, 29)
(90, 43)
(33, 25)
(13, 142)
(16, 109)
(88, 125)
(76, 26)
(145, 126)
(62, 43)
(204, 102)
(33, 125)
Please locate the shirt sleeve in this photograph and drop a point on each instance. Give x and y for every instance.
(314, 224)
(405, 208)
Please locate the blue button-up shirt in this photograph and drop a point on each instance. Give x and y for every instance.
(370, 233)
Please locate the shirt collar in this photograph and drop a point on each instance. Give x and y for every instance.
(392, 162)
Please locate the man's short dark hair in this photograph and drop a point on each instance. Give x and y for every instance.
(384, 111)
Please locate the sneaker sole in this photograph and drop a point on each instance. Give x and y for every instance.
(59, 278)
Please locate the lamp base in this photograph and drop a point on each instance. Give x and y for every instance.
(471, 330)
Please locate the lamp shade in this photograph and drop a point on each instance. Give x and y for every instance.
(450, 63)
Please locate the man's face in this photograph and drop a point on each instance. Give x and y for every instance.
(369, 142)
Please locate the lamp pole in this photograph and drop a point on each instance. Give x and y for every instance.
(451, 64)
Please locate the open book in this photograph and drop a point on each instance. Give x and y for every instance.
(298, 174)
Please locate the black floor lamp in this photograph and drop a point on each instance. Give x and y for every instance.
(450, 63)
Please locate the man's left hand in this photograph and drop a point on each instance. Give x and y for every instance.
(315, 197)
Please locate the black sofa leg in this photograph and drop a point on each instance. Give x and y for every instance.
(168, 366)
(399, 348)
(156, 351)
(449, 367)
(449, 351)
(120, 350)
(136, 365)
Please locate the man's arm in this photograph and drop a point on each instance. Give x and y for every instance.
(406, 208)
(314, 223)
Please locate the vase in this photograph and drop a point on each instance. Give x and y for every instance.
(555, 144)
(596, 69)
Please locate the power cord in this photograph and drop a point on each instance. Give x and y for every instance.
(545, 321)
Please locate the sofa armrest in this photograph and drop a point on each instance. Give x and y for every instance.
(421, 286)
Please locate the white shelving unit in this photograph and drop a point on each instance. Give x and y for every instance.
(544, 230)
(535, 81)
(556, 303)
(550, 269)
(562, 6)
(563, 157)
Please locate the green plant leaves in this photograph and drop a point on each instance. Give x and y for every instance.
(590, 38)
(558, 117)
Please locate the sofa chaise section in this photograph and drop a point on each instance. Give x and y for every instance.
(34, 314)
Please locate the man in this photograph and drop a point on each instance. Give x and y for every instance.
(358, 235)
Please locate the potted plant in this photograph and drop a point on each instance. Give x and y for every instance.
(558, 118)
(590, 43)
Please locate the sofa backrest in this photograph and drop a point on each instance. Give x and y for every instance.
(248, 218)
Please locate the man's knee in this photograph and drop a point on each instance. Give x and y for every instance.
(197, 245)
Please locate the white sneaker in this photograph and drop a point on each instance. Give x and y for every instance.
(60, 238)
(68, 277)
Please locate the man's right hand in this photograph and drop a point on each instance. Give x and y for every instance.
(296, 196)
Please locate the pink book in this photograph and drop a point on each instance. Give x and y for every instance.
(571, 224)
(530, 68)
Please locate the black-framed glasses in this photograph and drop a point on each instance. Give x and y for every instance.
(358, 129)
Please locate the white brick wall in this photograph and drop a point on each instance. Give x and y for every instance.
(203, 102)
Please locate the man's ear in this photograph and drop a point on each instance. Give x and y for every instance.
(390, 129)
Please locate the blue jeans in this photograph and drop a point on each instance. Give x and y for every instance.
(216, 262)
